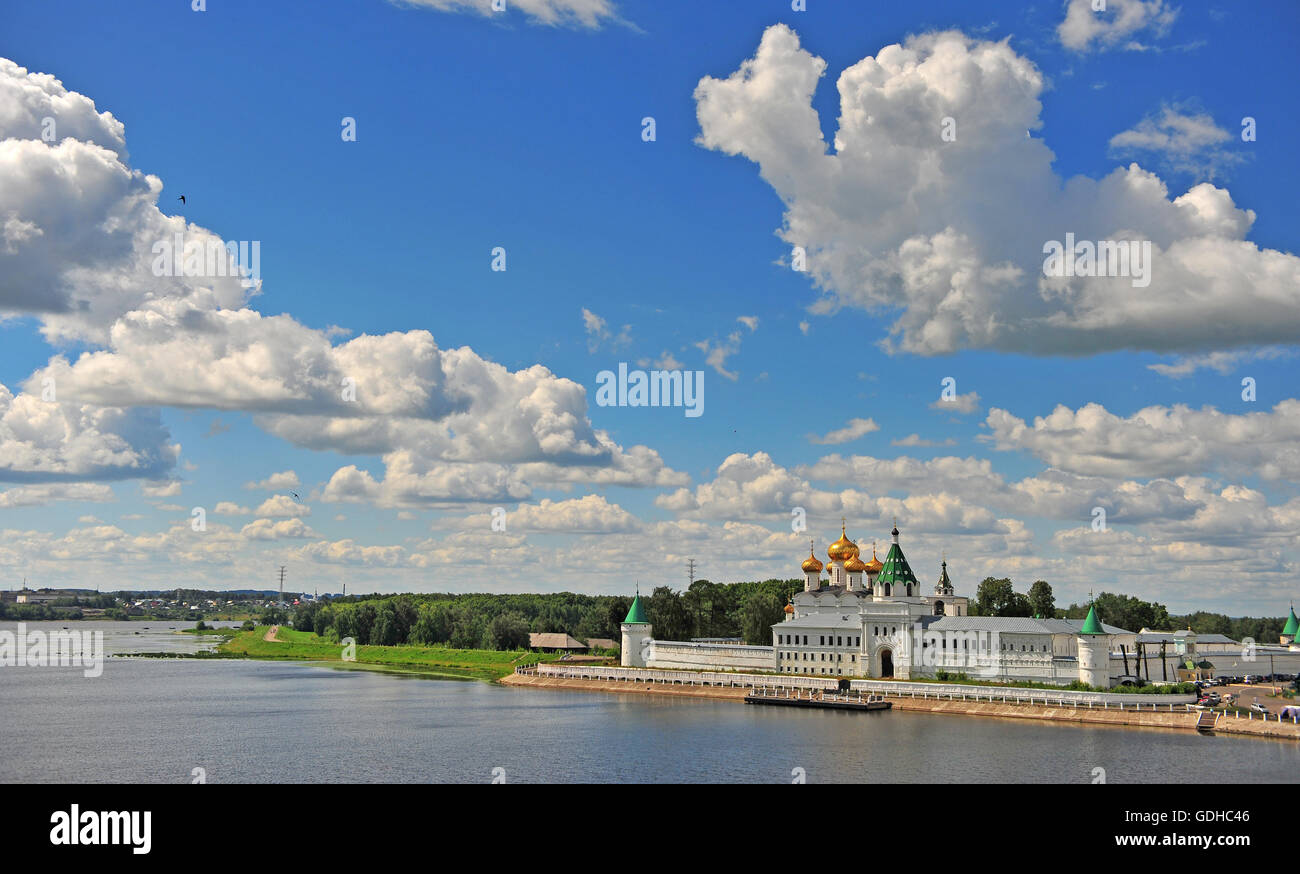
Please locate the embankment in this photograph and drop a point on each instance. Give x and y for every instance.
(1076, 715)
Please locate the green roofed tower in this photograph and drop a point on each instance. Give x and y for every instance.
(638, 636)
(1092, 625)
(1094, 652)
(896, 572)
(636, 613)
(1292, 626)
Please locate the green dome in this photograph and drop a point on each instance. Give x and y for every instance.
(636, 614)
(1092, 625)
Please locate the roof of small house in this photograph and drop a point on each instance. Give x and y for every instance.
(555, 640)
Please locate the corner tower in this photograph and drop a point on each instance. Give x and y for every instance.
(1094, 652)
(637, 635)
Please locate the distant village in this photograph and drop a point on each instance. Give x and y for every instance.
(27, 603)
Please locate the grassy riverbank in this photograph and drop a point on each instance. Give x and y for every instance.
(478, 664)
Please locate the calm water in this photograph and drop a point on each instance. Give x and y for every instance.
(150, 720)
(134, 636)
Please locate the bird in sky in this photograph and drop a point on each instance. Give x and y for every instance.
(181, 199)
(295, 497)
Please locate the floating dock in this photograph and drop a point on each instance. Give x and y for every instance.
(822, 700)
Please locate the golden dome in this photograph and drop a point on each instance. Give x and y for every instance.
(789, 608)
(875, 564)
(842, 549)
(811, 564)
(855, 565)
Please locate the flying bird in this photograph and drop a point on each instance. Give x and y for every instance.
(181, 199)
(295, 497)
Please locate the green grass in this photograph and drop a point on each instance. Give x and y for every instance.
(478, 664)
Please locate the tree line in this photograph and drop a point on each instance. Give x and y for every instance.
(997, 597)
(504, 622)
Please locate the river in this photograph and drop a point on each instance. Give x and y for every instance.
(157, 720)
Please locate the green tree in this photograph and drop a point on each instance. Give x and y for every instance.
(304, 617)
(384, 631)
(668, 615)
(615, 613)
(760, 612)
(1041, 600)
(1129, 613)
(994, 597)
(508, 631)
(273, 616)
(365, 614)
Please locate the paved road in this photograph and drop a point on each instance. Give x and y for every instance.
(1247, 695)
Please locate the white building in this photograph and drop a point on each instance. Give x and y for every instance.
(873, 619)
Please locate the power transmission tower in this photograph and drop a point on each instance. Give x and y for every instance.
(281, 584)
(690, 571)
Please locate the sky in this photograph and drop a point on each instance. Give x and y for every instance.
(832, 219)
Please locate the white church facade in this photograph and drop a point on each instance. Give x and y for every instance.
(858, 618)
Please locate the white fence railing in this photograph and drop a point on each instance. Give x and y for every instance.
(679, 678)
(898, 689)
(1017, 695)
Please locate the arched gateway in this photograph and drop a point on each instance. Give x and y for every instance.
(886, 663)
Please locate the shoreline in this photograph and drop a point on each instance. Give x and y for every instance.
(1180, 722)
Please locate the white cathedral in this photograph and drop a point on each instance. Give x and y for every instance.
(872, 619)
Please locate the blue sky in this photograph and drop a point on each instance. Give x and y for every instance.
(477, 129)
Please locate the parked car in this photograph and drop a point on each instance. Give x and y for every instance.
(1258, 708)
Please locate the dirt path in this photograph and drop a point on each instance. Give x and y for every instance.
(270, 635)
